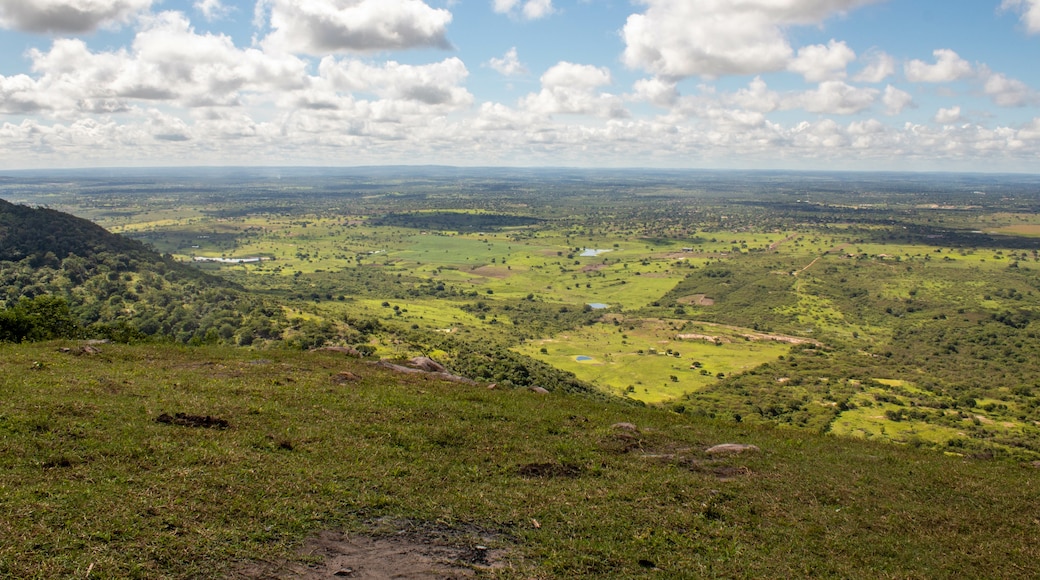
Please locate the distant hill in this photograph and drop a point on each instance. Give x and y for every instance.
(28, 232)
(119, 288)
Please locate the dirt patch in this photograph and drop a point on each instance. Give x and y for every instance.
(697, 300)
(345, 377)
(185, 420)
(362, 557)
(81, 350)
(548, 470)
(492, 272)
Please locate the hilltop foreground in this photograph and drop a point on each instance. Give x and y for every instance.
(161, 461)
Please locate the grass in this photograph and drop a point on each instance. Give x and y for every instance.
(90, 481)
(623, 356)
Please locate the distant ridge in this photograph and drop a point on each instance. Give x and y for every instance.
(28, 232)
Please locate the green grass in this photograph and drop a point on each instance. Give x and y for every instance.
(90, 481)
(624, 356)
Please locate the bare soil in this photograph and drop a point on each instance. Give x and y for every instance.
(336, 555)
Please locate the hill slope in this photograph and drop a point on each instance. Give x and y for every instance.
(100, 473)
(27, 232)
(119, 288)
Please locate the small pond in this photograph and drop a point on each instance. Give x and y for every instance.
(599, 306)
(592, 253)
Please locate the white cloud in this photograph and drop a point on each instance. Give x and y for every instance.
(435, 84)
(570, 88)
(1030, 10)
(1006, 92)
(895, 100)
(756, 97)
(879, 67)
(528, 9)
(504, 6)
(509, 65)
(948, 116)
(818, 63)
(833, 98)
(68, 16)
(322, 27)
(582, 76)
(948, 67)
(711, 38)
(535, 9)
(21, 94)
(659, 92)
(168, 62)
(212, 9)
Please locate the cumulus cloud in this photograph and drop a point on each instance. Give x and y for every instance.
(818, 63)
(879, 67)
(212, 9)
(436, 84)
(570, 88)
(756, 97)
(1030, 10)
(322, 27)
(168, 61)
(948, 116)
(528, 9)
(509, 65)
(657, 91)
(948, 67)
(834, 98)
(711, 38)
(68, 16)
(1005, 91)
(896, 100)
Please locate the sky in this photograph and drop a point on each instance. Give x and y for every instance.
(875, 85)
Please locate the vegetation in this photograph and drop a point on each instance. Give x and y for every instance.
(816, 316)
(95, 479)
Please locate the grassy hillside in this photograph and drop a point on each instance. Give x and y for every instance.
(99, 478)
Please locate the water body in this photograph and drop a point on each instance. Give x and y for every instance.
(583, 358)
(599, 306)
(592, 253)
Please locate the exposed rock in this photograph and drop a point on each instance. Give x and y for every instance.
(538, 390)
(493, 386)
(625, 426)
(410, 371)
(731, 448)
(427, 364)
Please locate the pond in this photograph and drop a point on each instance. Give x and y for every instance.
(592, 253)
(599, 306)
(583, 358)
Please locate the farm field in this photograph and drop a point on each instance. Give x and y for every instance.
(605, 284)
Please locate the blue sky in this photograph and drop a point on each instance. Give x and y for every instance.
(793, 84)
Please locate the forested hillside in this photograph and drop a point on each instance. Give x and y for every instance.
(54, 266)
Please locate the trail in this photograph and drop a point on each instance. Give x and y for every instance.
(809, 266)
(776, 245)
(834, 250)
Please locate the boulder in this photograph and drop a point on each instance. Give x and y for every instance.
(731, 449)
(427, 364)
